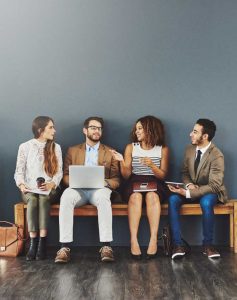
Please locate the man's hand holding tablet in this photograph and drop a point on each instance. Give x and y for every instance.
(176, 187)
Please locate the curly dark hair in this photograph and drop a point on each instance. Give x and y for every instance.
(153, 129)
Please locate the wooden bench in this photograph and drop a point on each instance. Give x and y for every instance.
(230, 208)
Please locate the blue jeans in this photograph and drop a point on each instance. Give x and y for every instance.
(207, 203)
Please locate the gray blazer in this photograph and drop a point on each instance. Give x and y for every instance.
(210, 172)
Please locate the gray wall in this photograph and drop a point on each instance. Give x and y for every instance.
(121, 60)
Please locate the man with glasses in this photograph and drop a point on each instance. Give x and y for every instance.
(90, 153)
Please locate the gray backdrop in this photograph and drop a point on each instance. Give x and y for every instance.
(120, 59)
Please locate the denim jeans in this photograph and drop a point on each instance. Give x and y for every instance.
(207, 203)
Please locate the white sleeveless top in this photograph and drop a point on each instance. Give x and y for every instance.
(154, 154)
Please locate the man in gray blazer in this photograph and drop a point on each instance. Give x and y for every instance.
(203, 174)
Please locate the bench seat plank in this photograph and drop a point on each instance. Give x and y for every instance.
(229, 208)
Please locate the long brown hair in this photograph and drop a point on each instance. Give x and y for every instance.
(50, 158)
(153, 129)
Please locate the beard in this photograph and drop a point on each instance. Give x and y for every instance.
(93, 137)
(198, 141)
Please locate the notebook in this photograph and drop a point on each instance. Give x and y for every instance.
(87, 177)
(145, 186)
(38, 191)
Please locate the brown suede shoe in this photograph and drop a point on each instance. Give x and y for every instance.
(178, 252)
(106, 254)
(211, 252)
(63, 255)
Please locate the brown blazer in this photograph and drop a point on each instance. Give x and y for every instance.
(76, 156)
(210, 172)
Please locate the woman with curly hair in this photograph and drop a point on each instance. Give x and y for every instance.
(38, 174)
(145, 161)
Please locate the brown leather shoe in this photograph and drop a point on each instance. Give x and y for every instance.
(211, 252)
(106, 254)
(63, 255)
(178, 252)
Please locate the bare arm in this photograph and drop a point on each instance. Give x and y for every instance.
(159, 172)
(125, 162)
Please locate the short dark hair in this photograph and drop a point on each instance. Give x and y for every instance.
(98, 119)
(208, 127)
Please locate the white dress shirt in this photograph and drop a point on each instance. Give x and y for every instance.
(92, 155)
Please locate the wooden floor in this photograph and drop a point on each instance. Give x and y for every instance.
(85, 277)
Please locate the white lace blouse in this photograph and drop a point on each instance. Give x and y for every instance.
(30, 164)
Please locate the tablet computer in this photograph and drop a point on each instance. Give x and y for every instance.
(178, 185)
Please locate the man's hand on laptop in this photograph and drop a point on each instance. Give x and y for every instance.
(107, 184)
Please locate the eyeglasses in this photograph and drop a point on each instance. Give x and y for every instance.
(94, 128)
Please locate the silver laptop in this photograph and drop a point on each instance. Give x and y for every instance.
(87, 177)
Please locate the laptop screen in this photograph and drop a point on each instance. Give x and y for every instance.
(87, 177)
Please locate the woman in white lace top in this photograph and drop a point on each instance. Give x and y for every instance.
(38, 174)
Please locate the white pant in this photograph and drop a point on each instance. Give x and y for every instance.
(77, 197)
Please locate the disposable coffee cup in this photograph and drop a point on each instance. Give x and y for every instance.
(40, 181)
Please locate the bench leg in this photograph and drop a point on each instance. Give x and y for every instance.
(231, 231)
(19, 214)
(235, 227)
(20, 219)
